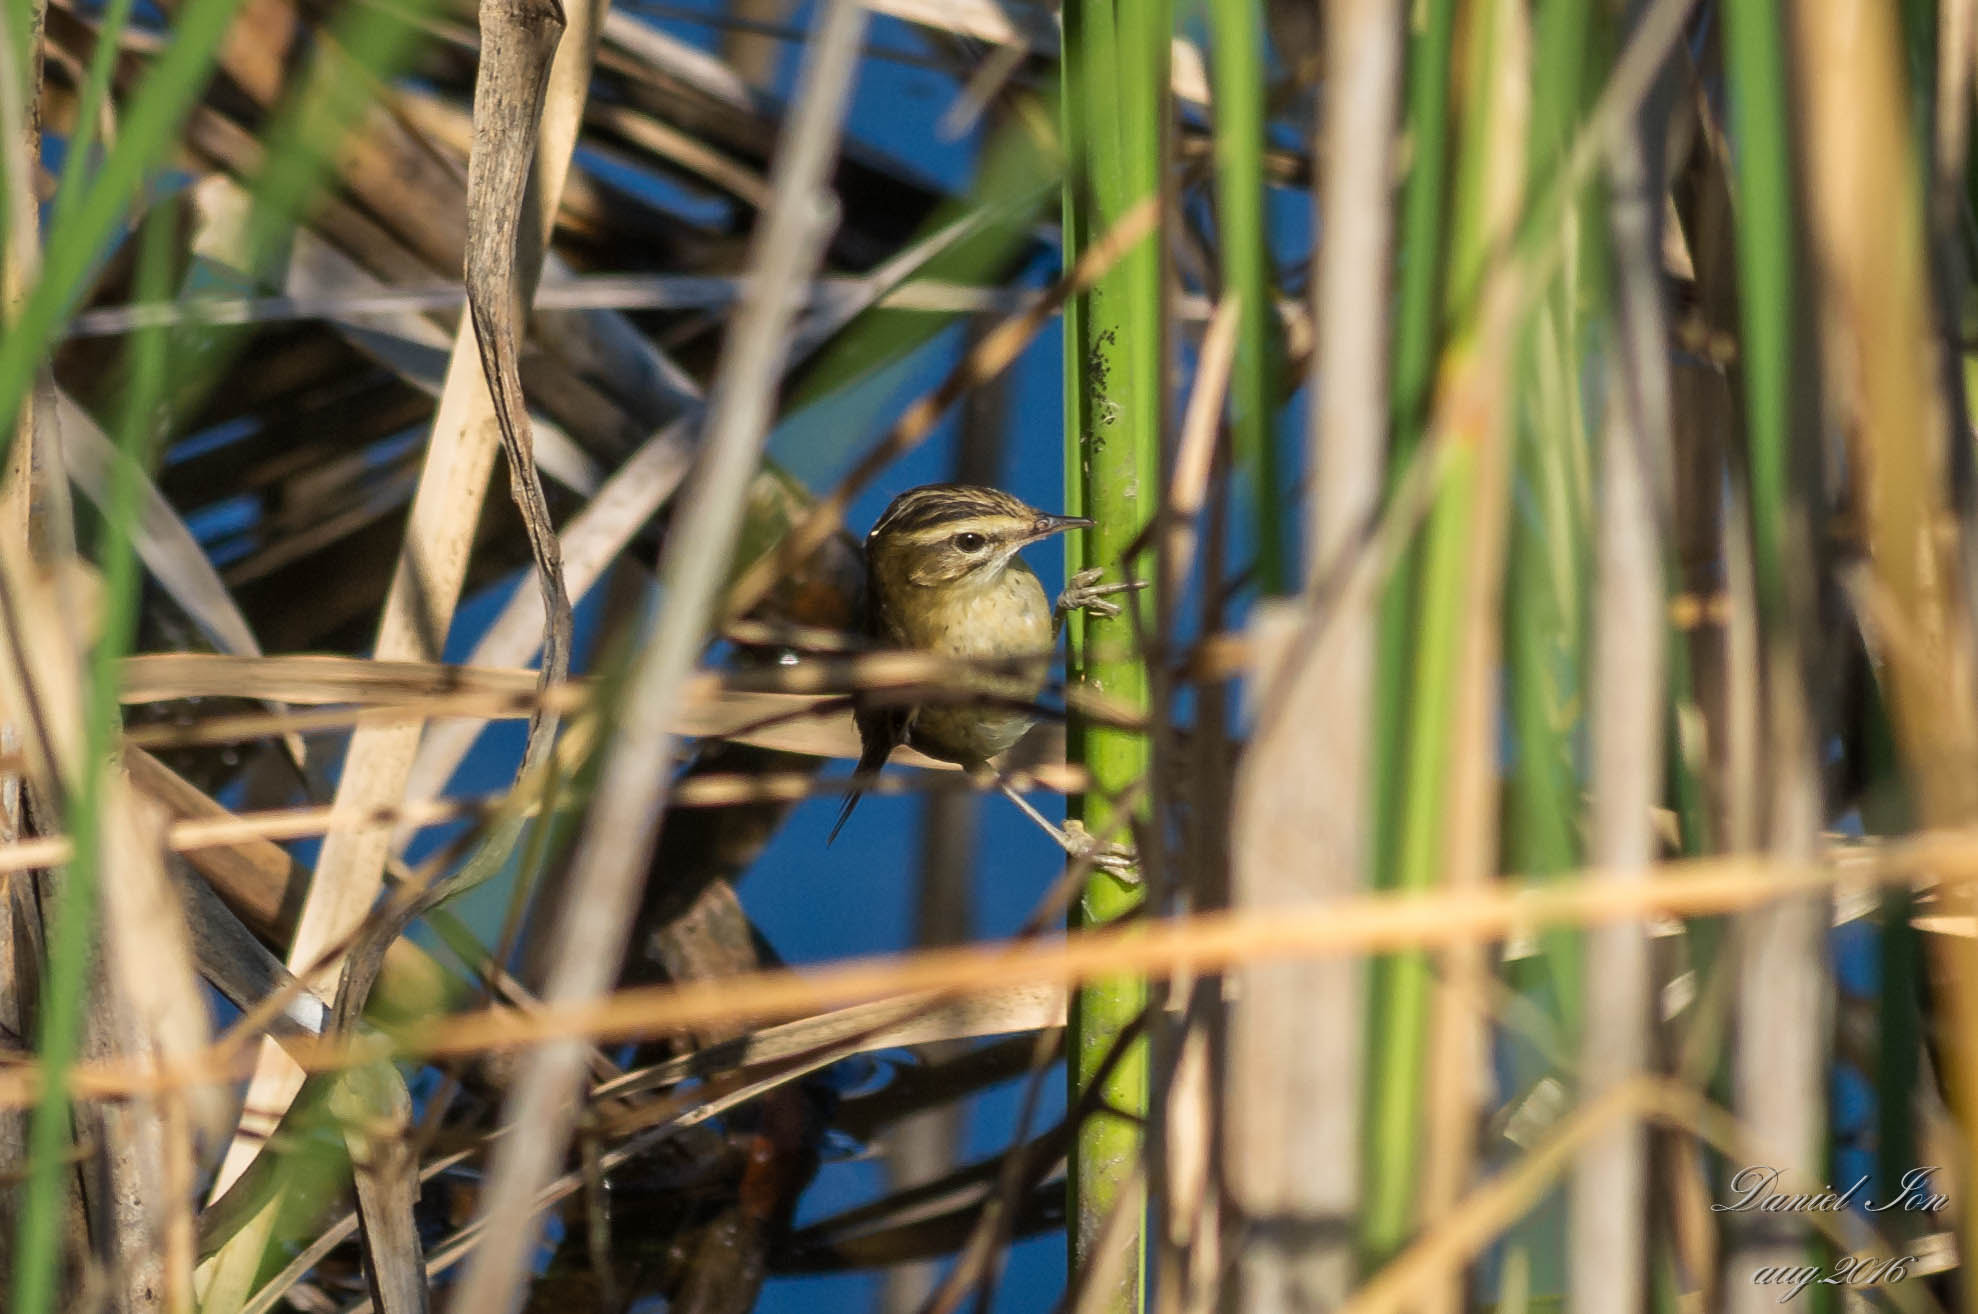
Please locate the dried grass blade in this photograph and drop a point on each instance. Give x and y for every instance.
(160, 537)
(309, 678)
(162, 541)
(402, 339)
(889, 1024)
(627, 501)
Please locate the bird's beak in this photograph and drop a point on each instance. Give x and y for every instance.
(1045, 526)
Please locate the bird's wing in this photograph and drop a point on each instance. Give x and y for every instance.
(882, 726)
(881, 730)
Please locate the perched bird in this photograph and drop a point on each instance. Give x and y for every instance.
(943, 576)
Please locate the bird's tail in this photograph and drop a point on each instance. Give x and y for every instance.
(869, 763)
(844, 814)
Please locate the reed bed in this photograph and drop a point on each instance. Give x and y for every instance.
(1548, 735)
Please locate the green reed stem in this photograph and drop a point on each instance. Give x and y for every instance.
(1242, 242)
(1115, 69)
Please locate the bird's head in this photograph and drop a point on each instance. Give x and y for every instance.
(948, 534)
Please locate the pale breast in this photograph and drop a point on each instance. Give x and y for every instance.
(1005, 618)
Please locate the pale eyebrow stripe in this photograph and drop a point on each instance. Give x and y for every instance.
(990, 526)
(948, 508)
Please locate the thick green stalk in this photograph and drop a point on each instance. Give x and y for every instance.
(1754, 50)
(1237, 32)
(1545, 606)
(1418, 309)
(1417, 328)
(1394, 1109)
(1115, 111)
(71, 941)
(1425, 725)
(1397, 984)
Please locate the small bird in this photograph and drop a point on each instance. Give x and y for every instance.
(943, 576)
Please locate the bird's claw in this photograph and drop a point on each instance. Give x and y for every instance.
(1122, 862)
(1084, 592)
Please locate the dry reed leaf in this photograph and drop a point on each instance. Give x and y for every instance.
(891, 1024)
(1202, 943)
(835, 303)
(676, 58)
(445, 514)
(258, 880)
(243, 969)
(1880, 320)
(592, 539)
(311, 678)
(593, 345)
(418, 609)
(353, 302)
(1195, 452)
(162, 541)
(690, 153)
(409, 344)
(789, 721)
(146, 940)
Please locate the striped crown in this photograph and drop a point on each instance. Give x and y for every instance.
(938, 507)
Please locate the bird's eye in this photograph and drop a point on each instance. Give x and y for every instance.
(971, 542)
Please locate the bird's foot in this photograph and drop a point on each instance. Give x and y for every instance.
(1120, 861)
(1084, 592)
(1078, 842)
